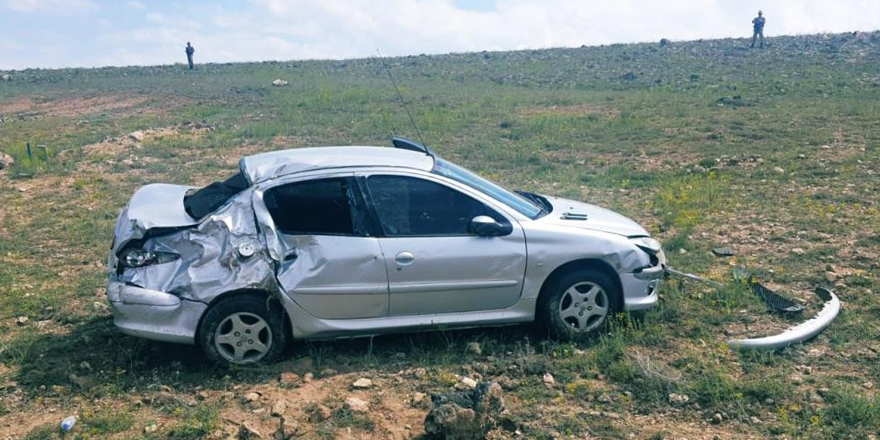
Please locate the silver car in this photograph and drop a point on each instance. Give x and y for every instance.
(329, 242)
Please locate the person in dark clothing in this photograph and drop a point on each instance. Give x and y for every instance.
(189, 54)
(758, 27)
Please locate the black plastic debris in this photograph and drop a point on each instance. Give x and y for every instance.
(722, 252)
(775, 301)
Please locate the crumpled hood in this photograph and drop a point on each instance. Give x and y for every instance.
(158, 205)
(598, 219)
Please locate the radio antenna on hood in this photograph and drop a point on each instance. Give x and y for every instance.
(400, 96)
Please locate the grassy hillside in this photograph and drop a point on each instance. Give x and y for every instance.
(774, 152)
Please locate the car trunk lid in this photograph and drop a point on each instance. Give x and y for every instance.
(154, 206)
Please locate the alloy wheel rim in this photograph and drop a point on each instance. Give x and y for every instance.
(243, 338)
(584, 306)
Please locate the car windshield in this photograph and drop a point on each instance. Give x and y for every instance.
(521, 204)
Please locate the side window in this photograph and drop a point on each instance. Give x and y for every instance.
(314, 207)
(409, 206)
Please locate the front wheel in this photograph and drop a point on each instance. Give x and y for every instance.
(577, 305)
(243, 330)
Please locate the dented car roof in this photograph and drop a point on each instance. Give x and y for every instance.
(265, 166)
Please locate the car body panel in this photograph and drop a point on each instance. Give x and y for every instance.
(261, 167)
(210, 262)
(453, 273)
(570, 213)
(335, 277)
(552, 246)
(157, 205)
(479, 286)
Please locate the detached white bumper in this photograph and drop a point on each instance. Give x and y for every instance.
(155, 315)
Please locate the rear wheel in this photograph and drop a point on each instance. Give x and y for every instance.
(577, 305)
(243, 330)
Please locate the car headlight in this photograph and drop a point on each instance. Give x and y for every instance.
(647, 244)
(141, 258)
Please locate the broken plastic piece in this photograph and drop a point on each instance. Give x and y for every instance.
(799, 333)
(776, 302)
(722, 252)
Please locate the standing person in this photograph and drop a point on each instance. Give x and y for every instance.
(191, 50)
(758, 27)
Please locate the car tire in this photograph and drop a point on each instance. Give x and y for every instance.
(578, 304)
(243, 330)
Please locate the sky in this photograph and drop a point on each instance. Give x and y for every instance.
(93, 33)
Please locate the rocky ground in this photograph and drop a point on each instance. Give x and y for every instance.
(773, 154)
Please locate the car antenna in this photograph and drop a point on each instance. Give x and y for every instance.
(403, 103)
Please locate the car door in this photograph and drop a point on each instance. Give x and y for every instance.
(328, 261)
(434, 264)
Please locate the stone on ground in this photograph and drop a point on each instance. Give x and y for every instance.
(465, 415)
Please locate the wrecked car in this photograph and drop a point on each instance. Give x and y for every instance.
(330, 242)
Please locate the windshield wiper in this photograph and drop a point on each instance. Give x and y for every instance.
(539, 201)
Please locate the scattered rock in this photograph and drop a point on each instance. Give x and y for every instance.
(85, 366)
(664, 42)
(288, 429)
(420, 400)
(251, 397)
(308, 377)
(755, 421)
(288, 378)
(806, 369)
(830, 277)
(362, 384)
(6, 161)
(825, 147)
(801, 156)
(779, 170)
(815, 397)
(279, 408)
(474, 348)
(137, 136)
(356, 405)
(798, 251)
(868, 385)
(319, 414)
(303, 365)
(628, 76)
(549, 380)
(327, 372)
(246, 432)
(279, 83)
(466, 383)
(22, 320)
(465, 415)
(717, 418)
(678, 399)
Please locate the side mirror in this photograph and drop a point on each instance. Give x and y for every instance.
(485, 226)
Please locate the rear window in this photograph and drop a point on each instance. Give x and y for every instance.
(204, 201)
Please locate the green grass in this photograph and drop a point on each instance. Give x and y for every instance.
(658, 148)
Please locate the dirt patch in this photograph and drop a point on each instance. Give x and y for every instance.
(38, 107)
(569, 110)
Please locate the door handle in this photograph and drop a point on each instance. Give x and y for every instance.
(404, 258)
